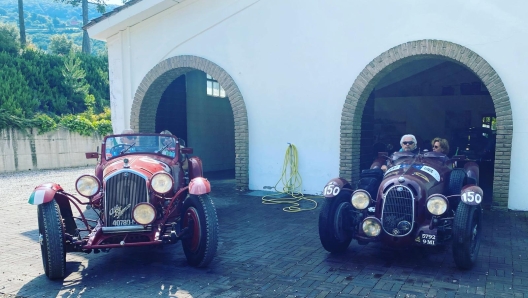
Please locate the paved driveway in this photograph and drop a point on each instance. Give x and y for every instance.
(263, 252)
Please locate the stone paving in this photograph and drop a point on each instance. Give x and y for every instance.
(263, 252)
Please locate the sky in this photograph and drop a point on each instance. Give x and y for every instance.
(116, 2)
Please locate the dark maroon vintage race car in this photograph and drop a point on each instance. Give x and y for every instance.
(423, 199)
(145, 191)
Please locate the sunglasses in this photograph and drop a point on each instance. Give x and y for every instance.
(408, 143)
(436, 147)
(131, 138)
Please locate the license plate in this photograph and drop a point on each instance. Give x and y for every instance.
(428, 239)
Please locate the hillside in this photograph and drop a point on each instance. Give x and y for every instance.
(44, 18)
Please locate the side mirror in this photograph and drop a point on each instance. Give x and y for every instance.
(186, 150)
(91, 155)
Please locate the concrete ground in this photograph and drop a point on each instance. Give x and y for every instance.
(263, 252)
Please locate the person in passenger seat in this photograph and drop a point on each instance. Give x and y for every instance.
(440, 145)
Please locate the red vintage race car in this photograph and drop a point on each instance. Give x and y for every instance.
(423, 199)
(145, 191)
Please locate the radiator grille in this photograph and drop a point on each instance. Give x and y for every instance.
(398, 211)
(123, 192)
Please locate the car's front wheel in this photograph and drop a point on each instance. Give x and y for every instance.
(467, 229)
(199, 215)
(51, 238)
(335, 231)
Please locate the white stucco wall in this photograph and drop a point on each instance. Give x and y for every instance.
(295, 61)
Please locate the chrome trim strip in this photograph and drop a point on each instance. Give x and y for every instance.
(119, 229)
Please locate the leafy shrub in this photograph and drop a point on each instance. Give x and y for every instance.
(45, 123)
(103, 127)
(78, 124)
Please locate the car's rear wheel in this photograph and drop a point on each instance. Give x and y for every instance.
(467, 227)
(199, 215)
(51, 238)
(335, 231)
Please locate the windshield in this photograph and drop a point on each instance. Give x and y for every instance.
(118, 145)
(430, 158)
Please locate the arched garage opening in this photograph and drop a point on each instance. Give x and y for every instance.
(180, 83)
(428, 58)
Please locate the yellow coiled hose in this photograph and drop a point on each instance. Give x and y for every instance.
(292, 182)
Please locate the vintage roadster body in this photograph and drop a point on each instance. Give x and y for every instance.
(424, 199)
(144, 192)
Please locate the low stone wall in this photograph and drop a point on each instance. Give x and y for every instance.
(22, 151)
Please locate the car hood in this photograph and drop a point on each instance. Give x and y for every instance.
(142, 164)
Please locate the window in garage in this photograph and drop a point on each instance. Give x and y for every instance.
(213, 88)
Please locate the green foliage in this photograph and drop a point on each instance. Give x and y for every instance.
(44, 18)
(36, 86)
(45, 123)
(60, 45)
(15, 97)
(9, 38)
(77, 123)
(84, 124)
(103, 127)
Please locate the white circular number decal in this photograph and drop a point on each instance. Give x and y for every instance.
(471, 198)
(331, 190)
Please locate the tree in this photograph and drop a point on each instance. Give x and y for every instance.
(22, 26)
(74, 79)
(101, 7)
(60, 45)
(9, 39)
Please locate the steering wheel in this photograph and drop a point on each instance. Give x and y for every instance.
(116, 150)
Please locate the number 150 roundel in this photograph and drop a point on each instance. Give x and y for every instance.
(471, 195)
(333, 187)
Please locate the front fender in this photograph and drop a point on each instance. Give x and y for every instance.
(334, 187)
(44, 193)
(199, 186)
(472, 172)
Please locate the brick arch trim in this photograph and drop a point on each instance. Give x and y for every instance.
(156, 81)
(369, 77)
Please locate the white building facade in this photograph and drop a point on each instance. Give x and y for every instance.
(312, 73)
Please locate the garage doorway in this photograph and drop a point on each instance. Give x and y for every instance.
(432, 98)
(196, 108)
(378, 79)
(216, 126)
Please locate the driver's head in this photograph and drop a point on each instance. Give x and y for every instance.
(128, 139)
(408, 143)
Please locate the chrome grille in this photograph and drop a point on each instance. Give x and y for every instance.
(124, 190)
(398, 211)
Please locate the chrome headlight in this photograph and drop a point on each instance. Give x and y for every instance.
(144, 213)
(87, 185)
(437, 204)
(360, 199)
(162, 183)
(371, 227)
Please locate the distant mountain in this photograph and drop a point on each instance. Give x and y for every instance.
(44, 18)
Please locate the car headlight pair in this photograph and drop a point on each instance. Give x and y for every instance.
(437, 204)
